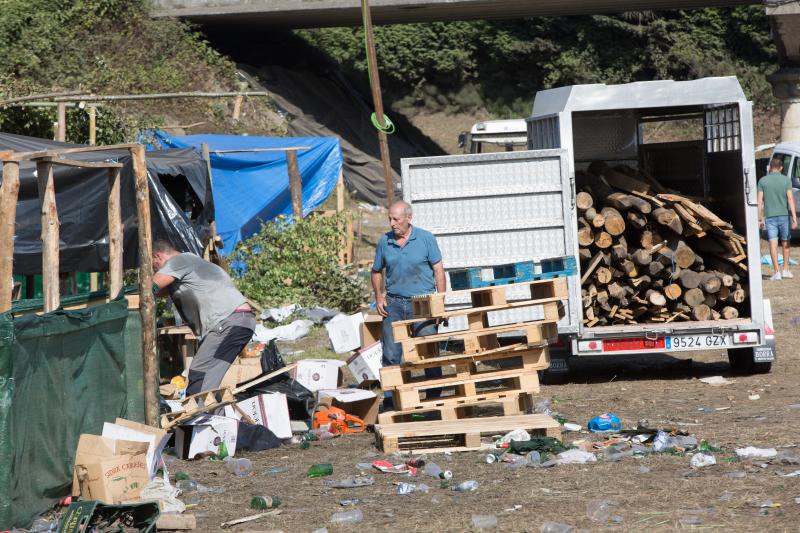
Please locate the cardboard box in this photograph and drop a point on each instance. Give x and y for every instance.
(270, 410)
(316, 374)
(357, 402)
(371, 330)
(344, 332)
(109, 470)
(243, 369)
(156, 438)
(366, 363)
(204, 434)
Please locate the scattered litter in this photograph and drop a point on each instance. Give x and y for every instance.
(796, 473)
(290, 332)
(569, 426)
(543, 407)
(388, 468)
(467, 486)
(797, 499)
(757, 453)
(318, 314)
(278, 314)
(767, 260)
(350, 502)
(702, 459)
(516, 435)
(160, 489)
(350, 483)
(576, 457)
(348, 517)
(754, 396)
(265, 502)
(736, 475)
(275, 470)
(231, 523)
(643, 469)
(320, 470)
(408, 488)
(716, 381)
(617, 519)
(605, 422)
(434, 470)
(321, 530)
(556, 527)
(240, 467)
(512, 509)
(597, 511)
(484, 521)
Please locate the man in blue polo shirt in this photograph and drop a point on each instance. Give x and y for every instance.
(413, 266)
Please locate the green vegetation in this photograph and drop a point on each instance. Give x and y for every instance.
(100, 46)
(499, 65)
(298, 263)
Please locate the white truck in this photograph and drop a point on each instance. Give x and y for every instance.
(499, 208)
(495, 136)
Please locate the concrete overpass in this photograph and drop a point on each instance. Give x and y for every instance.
(784, 16)
(319, 13)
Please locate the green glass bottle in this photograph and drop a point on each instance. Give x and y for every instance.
(320, 470)
(264, 502)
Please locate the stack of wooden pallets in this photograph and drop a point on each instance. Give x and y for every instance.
(480, 371)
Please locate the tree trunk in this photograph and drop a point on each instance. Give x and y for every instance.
(669, 218)
(672, 291)
(614, 223)
(694, 297)
(584, 200)
(729, 313)
(602, 240)
(701, 312)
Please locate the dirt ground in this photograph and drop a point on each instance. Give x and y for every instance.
(670, 496)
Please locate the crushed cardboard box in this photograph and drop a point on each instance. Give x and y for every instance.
(365, 364)
(270, 410)
(204, 434)
(316, 374)
(109, 470)
(344, 332)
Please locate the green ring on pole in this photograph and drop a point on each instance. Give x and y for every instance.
(388, 128)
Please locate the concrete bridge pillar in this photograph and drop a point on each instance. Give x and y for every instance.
(785, 21)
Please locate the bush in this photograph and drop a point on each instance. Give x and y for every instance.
(298, 263)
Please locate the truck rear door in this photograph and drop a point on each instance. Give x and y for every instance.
(494, 209)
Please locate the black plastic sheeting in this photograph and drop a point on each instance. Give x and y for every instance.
(181, 205)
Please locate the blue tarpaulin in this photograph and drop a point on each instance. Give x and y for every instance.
(253, 187)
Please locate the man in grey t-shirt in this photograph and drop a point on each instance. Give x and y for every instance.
(210, 303)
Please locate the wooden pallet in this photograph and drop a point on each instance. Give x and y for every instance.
(460, 435)
(483, 388)
(466, 367)
(210, 400)
(480, 340)
(511, 404)
(489, 298)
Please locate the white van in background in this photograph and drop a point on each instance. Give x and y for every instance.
(495, 136)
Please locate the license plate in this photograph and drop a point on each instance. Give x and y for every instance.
(558, 364)
(763, 354)
(697, 342)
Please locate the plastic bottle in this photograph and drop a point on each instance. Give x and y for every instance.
(348, 517)
(222, 452)
(240, 467)
(534, 458)
(434, 470)
(276, 470)
(484, 521)
(186, 485)
(320, 470)
(41, 525)
(264, 502)
(660, 442)
(556, 527)
(467, 486)
(597, 511)
(408, 488)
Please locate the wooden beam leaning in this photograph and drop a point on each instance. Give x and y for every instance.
(9, 193)
(147, 307)
(49, 235)
(295, 184)
(77, 163)
(115, 239)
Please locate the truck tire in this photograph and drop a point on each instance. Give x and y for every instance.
(741, 360)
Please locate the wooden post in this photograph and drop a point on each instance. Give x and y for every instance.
(295, 184)
(92, 110)
(61, 131)
(49, 236)
(9, 193)
(212, 243)
(375, 85)
(147, 307)
(345, 254)
(114, 234)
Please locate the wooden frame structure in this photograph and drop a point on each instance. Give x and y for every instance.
(9, 194)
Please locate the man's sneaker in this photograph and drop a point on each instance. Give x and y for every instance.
(786, 274)
(776, 277)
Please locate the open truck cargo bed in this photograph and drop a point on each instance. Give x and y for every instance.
(492, 209)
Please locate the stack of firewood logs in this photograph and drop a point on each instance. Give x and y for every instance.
(648, 255)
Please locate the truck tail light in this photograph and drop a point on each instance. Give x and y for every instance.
(590, 346)
(745, 337)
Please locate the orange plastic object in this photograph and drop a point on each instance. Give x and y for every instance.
(337, 421)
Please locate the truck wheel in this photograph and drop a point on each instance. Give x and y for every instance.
(741, 360)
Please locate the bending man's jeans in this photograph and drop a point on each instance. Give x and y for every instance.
(399, 308)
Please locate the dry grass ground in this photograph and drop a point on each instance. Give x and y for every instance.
(661, 389)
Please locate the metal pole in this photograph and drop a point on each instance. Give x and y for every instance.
(375, 85)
